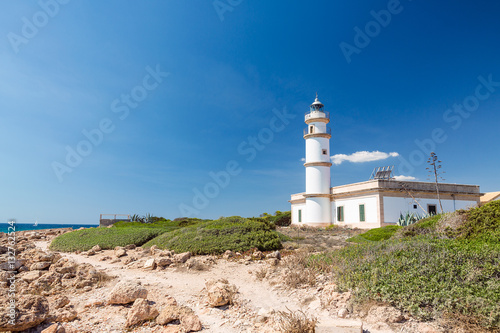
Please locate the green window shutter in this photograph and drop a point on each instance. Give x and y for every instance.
(362, 213)
(300, 215)
(340, 214)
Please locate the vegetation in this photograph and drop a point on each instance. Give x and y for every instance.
(279, 219)
(295, 322)
(229, 233)
(452, 260)
(409, 218)
(375, 235)
(106, 238)
(167, 225)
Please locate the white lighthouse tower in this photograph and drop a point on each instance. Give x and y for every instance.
(317, 135)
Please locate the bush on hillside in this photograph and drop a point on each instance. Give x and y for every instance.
(452, 277)
(213, 237)
(452, 260)
(106, 238)
(375, 235)
(482, 223)
(167, 225)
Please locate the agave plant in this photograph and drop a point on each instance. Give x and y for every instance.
(409, 218)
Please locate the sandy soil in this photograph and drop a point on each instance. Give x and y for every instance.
(186, 286)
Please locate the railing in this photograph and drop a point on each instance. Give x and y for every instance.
(110, 219)
(328, 131)
(316, 114)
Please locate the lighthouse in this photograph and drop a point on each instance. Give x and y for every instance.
(317, 195)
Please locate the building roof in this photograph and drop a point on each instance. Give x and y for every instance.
(490, 196)
(389, 187)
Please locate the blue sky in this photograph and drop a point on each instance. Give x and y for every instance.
(176, 93)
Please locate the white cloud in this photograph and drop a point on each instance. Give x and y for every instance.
(362, 156)
(401, 177)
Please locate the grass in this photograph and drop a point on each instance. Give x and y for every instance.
(295, 322)
(375, 235)
(106, 238)
(456, 270)
(215, 237)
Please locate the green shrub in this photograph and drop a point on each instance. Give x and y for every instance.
(483, 223)
(167, 225)
(106, 238)
(375, 235)
(282, 219)
(231, 233)
(425, 226)
(426, 277)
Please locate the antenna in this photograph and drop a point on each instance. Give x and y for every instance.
(383, 173)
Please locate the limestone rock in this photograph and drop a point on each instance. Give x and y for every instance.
(153, 249)
(219, 292)
(141, 311)
(343, 313)
(90, 253)
(60, 301)
(163, 262)
(228, 254)
(96, 248)
(38, 266)
(150, 264)
(130, 247)
(31, 311)
(182, 257)
(189, 320)
(31, 276)
(258, 255)
(126, 292)
(275, 254)
(54, 328)
(63, 266)
(63, 315)
(120, 252)
(7, 266)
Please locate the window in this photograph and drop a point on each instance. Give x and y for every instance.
(414, 206)
(324, 152)
(340, 214)
(300, 215)
(431, 209)
(361, 213)
(311, 129)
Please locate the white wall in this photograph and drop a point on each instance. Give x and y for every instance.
(318, 179)
(394, 206)
(295, 213)
(318, 210)
(351, 209)
(314, 148)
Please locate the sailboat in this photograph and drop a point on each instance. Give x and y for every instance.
(36, 223)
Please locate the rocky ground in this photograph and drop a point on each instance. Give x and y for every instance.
(135, 290)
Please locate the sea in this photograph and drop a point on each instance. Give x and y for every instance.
(4, 227)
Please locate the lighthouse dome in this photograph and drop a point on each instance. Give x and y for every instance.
(317, 105)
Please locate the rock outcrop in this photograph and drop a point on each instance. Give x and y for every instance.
(140, 311)
(126, 292)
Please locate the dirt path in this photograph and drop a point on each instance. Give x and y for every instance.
(186, 287)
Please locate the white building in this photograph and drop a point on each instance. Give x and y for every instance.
(371, 204)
